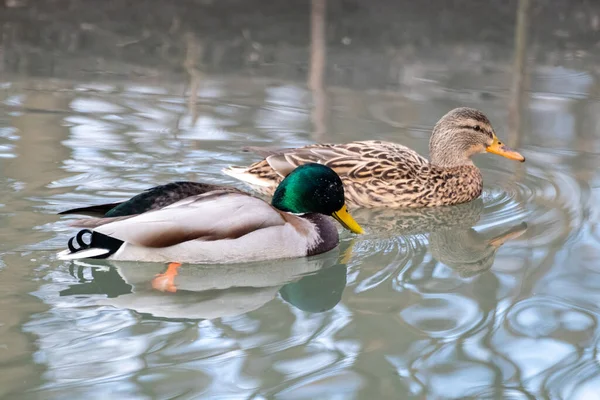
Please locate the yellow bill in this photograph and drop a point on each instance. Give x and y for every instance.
(497, 147)
(344, 218)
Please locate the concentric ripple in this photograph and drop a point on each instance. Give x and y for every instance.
(392, 255)
(578, 380)
(443, 316)
(545, 317)
(505, 393)
(549, 201)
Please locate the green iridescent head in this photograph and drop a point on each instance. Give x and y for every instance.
(314, 188)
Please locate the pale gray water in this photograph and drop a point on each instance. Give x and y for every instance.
(101, 100)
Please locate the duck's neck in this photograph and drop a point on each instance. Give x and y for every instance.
(446, 159)
(327, 233)
(450, 148)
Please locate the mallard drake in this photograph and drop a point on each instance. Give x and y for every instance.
(383, 174)
(203, 223)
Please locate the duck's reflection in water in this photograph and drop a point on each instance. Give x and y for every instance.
(468, 251)
(196, 292)
(452, 239)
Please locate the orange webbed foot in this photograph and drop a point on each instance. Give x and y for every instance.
(165, 282)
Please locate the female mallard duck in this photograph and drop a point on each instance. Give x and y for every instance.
(202, 223)
(384, 174)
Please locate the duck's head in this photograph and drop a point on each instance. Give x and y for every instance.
(314, 188)
(462, 133)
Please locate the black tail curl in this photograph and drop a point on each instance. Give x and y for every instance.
(96, 241)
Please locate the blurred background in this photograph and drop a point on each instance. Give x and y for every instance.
(102, 99)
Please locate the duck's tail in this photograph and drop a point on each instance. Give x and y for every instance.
(99, 246)
(243, 174)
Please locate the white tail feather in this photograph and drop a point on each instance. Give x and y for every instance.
(241, 173)
(67, 255)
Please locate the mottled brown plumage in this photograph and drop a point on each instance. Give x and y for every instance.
(384, 174)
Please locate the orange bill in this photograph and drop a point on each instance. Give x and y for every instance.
(499, 148)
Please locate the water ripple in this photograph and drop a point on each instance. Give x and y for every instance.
(546, 317)
(443, 316)
(496, 297)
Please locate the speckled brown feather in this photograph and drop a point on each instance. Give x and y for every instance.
(379, 174)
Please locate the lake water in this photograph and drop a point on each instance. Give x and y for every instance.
(101, 101)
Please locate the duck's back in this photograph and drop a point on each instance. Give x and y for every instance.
(375, 174)
(359, 161)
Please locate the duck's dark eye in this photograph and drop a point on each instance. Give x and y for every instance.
(477, 128)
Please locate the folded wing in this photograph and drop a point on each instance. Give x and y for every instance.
(215, 215)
